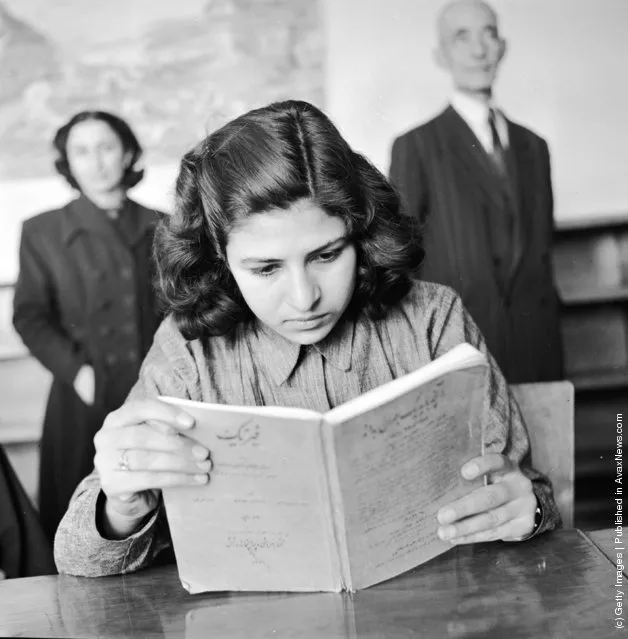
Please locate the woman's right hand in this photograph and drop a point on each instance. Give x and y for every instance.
(141, 448)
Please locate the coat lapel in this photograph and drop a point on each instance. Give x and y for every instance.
(138, 222)
(84, 216)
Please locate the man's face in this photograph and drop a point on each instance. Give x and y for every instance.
(470, 46)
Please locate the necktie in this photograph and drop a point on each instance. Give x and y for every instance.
(498, 156)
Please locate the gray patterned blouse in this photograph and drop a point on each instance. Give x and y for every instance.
(260, 367)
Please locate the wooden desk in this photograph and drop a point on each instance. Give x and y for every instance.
(555, 586)
(605, 541)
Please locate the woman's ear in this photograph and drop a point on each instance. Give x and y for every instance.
(127, 160)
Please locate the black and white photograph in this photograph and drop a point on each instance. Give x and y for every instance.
(313, 318)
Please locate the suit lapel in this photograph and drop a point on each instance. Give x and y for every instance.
(521, 160)
(470, 155)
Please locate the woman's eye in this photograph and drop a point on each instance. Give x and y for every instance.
(266, 271)
(328, 256)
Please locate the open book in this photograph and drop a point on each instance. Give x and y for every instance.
(301, 501)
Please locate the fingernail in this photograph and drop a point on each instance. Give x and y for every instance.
(470, 471)
(185, 420)
(205, 466)
(200, 452)
(446, 516)
(446, 533)
(201, 478)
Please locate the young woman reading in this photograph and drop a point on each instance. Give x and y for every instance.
(288, 275)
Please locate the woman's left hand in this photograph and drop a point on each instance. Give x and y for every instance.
(502, 510)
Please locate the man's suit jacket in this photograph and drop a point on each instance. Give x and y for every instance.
(488, 238)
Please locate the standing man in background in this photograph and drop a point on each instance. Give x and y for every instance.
(481, 185)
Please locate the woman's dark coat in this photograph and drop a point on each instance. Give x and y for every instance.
(24, 550)
(83, 296)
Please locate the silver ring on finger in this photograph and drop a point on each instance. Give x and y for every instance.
(123, 462)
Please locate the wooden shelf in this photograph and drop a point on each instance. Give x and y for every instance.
(609, 380)
(594, 296)
(592, 222)
(19, 433)
(590, 258)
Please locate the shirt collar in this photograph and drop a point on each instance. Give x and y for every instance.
(473, 111)
(475, 114)
(279, 357)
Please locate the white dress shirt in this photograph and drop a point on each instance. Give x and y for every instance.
(475, 114)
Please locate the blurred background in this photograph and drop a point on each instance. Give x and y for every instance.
(177, 70)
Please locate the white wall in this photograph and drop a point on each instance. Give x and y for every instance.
(564, 76)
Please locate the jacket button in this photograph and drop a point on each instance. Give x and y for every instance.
(126, 273)
(105, 331)
(111, 359)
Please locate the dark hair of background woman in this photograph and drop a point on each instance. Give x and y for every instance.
(129, 142)
(270, 158)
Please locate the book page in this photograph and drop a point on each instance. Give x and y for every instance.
(263, 521)
(398, 463)
(458, 358)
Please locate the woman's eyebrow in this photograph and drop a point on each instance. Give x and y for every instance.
(259, 260)
(273, 260)
(328, 245)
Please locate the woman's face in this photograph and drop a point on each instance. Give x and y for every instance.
(96, 157)
(295, 269)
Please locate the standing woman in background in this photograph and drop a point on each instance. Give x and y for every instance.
(84, 303)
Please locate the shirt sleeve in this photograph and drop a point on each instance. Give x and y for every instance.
(504, 429)
(80, 548)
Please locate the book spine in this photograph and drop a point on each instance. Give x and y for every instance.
(336, 509)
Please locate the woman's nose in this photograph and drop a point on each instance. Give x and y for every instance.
(304, 292)
(98, 160)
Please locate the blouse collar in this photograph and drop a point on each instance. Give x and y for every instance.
(279, 357)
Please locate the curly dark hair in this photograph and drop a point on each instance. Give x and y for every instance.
(270, 158)
(130, 143)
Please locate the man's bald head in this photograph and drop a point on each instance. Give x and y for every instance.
(470, 47)
(453, 9)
